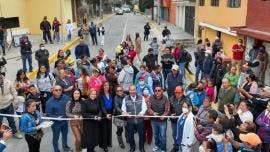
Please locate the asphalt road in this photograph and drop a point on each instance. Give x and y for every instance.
(116, 30)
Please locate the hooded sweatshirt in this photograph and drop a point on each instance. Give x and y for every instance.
(125, 78)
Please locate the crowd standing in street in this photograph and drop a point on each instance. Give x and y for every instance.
(222, 110)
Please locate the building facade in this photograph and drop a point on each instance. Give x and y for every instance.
(214, 18)
(31, 13)
(257, 28)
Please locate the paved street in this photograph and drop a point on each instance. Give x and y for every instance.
(116, 30)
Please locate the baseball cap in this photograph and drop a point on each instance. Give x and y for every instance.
(251, 138)
(141, 77)
(175, 67)
(178, 89)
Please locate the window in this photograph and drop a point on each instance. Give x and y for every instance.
(200, 28)
(201, 2)
(214, 2)
(234, 3)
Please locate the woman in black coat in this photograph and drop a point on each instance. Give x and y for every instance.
(106, 103)
(91, 127)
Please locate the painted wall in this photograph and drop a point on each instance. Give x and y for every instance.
(222, 15)
(258, 15)
(173, 13)
(31, 12)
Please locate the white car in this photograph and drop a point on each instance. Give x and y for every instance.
(119, 11)
(126, 9)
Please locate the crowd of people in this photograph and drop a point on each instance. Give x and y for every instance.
(225, 109)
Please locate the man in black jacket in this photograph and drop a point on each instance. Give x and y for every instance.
(26, 53)
(119, 122)
(146, 31)
(42, 56)
(45, 27)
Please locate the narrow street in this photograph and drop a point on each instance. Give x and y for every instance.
(116, 30)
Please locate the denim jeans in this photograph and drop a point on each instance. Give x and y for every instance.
(165, 73)
(69, 36)
(27, 57)
(56, 36)
(47, 36)
(57, 128)
(159, 131)
(174, 132)
(131, 131)
(9, 110)
(199, 69)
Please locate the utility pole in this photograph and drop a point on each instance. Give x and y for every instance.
(100, 9)
(61, 20)
(152, 3)
(158, 12)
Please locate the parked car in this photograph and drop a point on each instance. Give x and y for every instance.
(126, 9)
(119, 11)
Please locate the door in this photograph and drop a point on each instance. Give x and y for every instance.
(189, 19)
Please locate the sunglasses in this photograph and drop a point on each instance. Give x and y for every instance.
(158, 90)
(57, 90)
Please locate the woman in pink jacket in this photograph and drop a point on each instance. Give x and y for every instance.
(96, 80)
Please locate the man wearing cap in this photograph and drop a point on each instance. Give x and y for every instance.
(174, 79)
(8, 100)
(159, 106)
(141, 85)
(150, 60)
(176, 110)
(250, 142)
(259, 101)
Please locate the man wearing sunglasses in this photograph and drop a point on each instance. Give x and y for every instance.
(55, 107)
(159, 106)
(259, 101)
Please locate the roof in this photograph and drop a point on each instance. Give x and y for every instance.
(251, 32)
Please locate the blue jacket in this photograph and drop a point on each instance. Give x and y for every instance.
(2, 147)
(172, 82)
(56, 107)
(140, 90)
(207, 65)
(81, 50)
(28, 124)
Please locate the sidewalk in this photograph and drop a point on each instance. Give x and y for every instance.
(177, 34)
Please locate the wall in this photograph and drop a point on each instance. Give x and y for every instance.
(222, 16)
(258, 15)
(173, 13)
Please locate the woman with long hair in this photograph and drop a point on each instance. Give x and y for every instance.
(138, 46)
(107, 107)
(128, 40)
(22, 81)
(30, 125)
(112, 77)
(83, 83)
(74, 110)
(91, 126)
(58, 65)
(44, 82)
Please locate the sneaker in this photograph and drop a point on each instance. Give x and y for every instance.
(67, 148)
(155, 149)
(17, 135)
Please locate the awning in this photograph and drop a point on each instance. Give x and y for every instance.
(216, 28)
(261, 35)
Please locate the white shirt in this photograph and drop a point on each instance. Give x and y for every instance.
(245, 116)
(144, 107)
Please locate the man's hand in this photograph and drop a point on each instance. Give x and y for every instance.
(109, 116)
(173, 116)
(155, 114)
(7, 135)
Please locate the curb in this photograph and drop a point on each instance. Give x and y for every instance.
(68, 45)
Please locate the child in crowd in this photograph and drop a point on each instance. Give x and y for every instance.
(33, 94)
(210, 90)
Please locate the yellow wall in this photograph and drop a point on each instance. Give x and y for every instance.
(31, 12)
(222, 16)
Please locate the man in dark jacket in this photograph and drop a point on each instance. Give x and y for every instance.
(174, 79)
(167, 62)
(93, 33)
(55, 108)
(176, 110)
(146, 31)
(159, 106)
(81, 50)
(26, 53)
(45, 27)
(134, 104)
(42, 56)
(199, 60)
(119, 122)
